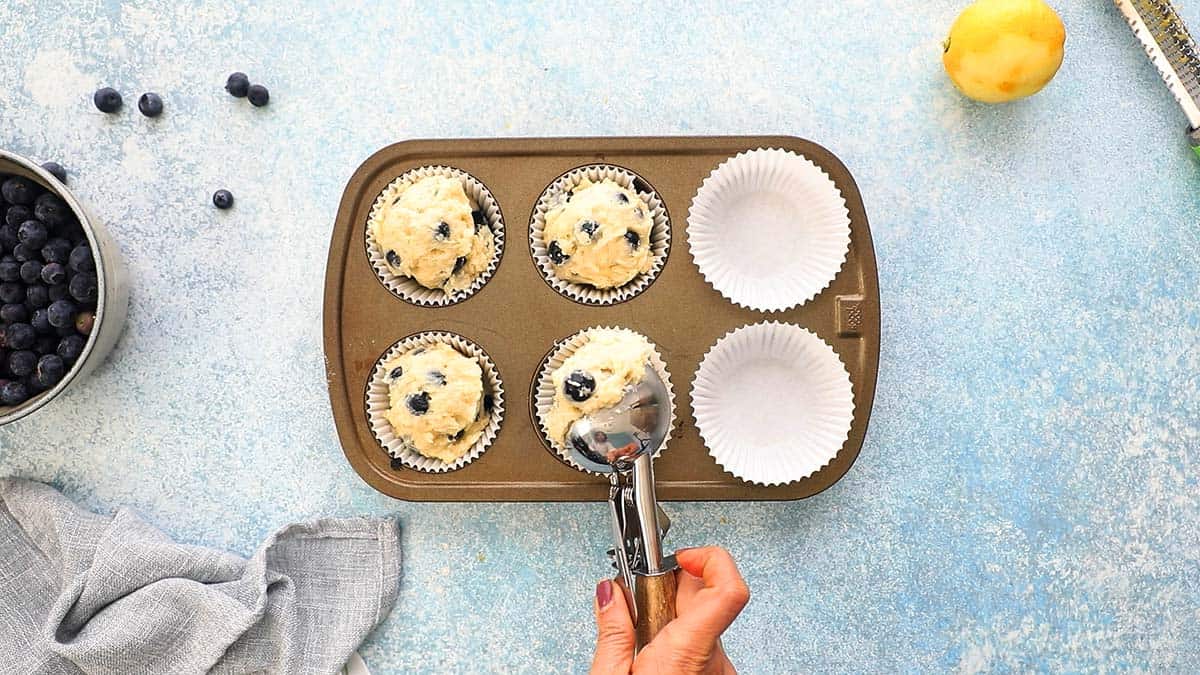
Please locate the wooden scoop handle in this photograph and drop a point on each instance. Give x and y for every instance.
(655, 600)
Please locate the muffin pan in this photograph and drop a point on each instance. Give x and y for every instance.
(517, 318)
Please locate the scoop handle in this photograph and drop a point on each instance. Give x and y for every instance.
(654, 597)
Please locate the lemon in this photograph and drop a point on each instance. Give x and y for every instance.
(1003, 50)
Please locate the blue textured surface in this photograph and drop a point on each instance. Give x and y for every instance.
(1027, 495)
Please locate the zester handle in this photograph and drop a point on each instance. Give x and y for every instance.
(654, 597)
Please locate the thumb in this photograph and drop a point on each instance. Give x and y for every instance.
(614, 641)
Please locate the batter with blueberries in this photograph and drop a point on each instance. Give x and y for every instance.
(595, 377)
(437, 403)
(599, 234)
(427, 230)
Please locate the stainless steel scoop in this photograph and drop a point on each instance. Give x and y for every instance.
(620, 441)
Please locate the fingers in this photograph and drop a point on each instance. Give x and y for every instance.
(724, 593)
(687, 586)
(614, 640)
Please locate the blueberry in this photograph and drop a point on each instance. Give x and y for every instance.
(14, 393)
(589, 227)
(83, 287)
(36, 295)
(52, 273)
(632, 237)
(33, 233)
(22, 362)
(622, 197)
(459, 262)
(46, 344)
(150, 104)
(107, 100)
(61, 313)
(57, 291)
(222, 199)
(10, 270)
(579, 386)
(396, 373)
(11, 292)
(397, 464)
(55, 169)
(51, 210)
(8, 236)
(84, 322)
(50, 369)
(19, 336)
(70, 347)
(640, 185)
(393, 258)
(23, 253)
(31, 271)
(443, 231)
(41, 322)
(458, 436)
(80, 259)
(418, 404)
(19, 190)
(237, 85)
(56, 250)
(556, 253)
(479, 220)
(17, 214)
(258, 95)
(13, 313)
(436, 378)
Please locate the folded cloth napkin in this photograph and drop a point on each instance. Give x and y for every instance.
(81, 592)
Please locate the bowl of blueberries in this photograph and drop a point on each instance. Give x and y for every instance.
(63, 290)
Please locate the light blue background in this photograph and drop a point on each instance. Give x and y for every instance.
(1027, 495)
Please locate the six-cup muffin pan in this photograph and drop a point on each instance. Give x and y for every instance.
(517, 317)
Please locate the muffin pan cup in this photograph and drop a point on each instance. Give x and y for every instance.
(517, 318)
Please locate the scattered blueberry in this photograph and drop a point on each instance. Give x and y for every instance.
(51, 273)
(397, 463)
(14, 393)
(11, 292)
(57, 291)
(70, 347)
(478, 219)
(632, 237)
(10, 270)
(17, 214)
(84, 321)
(418, 404)
(80, 259)
(50, 369)
(18, 190)
(436, 378)
(393, 258)
(579, 386)
(19, 336)
(222, 199)
(107, 100)
(61, 313)
(458, 264)
(55, 169)
(622, 197)
(258, 95)
(556, 253)
(24, 253)
(52, 210)
(237, 85)
(150, 104)
(397, 372)
(56, 250)
(443, 231)
(83, 287)
(14, 313)
(41, 322)
(589, 227)
(31, 271)
(33, 234)
(37, 295)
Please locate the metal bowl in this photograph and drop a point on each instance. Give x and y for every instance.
(112, 297)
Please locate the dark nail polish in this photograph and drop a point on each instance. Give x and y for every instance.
(604, 591)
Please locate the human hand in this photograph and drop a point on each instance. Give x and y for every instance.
(711, 593)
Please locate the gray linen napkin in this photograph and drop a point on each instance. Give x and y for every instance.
(80, 592)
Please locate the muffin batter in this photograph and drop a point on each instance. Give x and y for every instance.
(599, 235)
(428, 231)
(437, 403)
(595, 377)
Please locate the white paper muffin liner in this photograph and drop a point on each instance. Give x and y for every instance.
(773, 403)
(545, 391)
(378, 403)
(768, 229)
(660, 235)
(407, 288)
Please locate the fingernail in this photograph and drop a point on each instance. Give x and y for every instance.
(604, 593)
